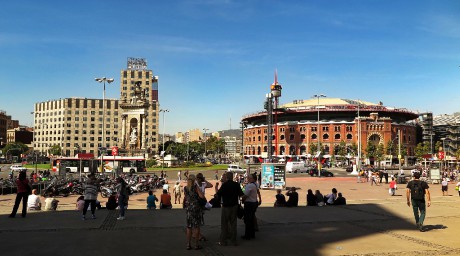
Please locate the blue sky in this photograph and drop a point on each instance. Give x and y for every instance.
(216, 58)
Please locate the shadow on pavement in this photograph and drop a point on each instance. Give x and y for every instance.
(331, 230)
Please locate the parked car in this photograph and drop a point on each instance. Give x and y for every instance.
(17, 168)
(235, 168)
(324, 173)
(349, 168)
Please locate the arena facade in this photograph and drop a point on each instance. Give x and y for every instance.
(296, 127)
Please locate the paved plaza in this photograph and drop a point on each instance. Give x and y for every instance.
(372, 223)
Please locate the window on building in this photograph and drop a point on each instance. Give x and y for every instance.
(314, 136)
(337, 136)
(282, 137)
(349, 136)
(325, 128)
(291, 137)
(302, 136)
(314, 128)
(325, 136)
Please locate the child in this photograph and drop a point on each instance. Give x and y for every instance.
(151, 199)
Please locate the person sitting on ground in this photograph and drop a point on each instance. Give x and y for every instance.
(51, 203)
(33, 202)
(151, 199)
(165, 200)
(340, 200)
(280, 199)
(111, 203)
(293, 200)
(311, 198)
(331, 197)
(319, 198)
(80, 204)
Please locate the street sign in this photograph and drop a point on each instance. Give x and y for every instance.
(441, 155)
(114, 151)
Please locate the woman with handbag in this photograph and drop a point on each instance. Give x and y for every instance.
(194, 212)
(24, 189)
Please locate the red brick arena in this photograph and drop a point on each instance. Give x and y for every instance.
(295, 127)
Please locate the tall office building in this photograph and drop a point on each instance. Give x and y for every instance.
(131, 123)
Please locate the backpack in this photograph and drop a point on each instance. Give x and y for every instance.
(416, 191)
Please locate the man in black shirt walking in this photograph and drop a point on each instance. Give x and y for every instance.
(416, 192)
(229, 192)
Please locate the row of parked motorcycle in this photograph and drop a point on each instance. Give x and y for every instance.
(65, 186)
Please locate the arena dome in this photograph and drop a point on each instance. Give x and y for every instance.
(297, 128)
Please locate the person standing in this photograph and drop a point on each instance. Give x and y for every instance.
(177, 193)
(444, 186)
(23, 191)
(90, 196)
(250, 207)
(194, 212)
(123, 197)
(230, 193)
(392, 187)
(416, 192)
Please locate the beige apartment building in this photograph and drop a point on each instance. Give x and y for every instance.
(131, 122)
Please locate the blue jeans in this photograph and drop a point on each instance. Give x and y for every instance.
(419, 205)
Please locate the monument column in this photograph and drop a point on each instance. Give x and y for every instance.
(123, 131)
(143, 132)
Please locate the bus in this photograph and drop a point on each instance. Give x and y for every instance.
(86, 162)
(129, 164)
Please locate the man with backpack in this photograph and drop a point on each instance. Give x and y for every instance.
(416, 192)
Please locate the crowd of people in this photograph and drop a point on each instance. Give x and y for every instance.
(316, 199)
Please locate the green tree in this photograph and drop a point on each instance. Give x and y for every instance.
(391, 149)
(380, 153)
(371, 150)
(55, 150)
(15, 149)
(422, 149)
(342, 149)
(437, 146)
(314, 148)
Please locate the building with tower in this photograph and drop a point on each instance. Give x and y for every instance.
(131, 122)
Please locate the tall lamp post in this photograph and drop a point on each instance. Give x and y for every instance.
(103, 80)
(319, 133)
(164, 151)
(205, 130)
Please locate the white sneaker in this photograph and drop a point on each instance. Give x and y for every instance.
(121, 218)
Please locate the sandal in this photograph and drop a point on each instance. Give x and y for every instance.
(198, 247)
(189, 247)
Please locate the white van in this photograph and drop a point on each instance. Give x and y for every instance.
(235, 168)
(295, 167)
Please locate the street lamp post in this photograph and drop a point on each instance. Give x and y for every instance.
(164, 151)
(205, 130)
(103, 80)
(319, 133)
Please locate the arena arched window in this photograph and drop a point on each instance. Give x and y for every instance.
(258, 151)
(292, 150)
(291, 137)
(282, 137)
(325, 136)
(349, 136)
(337, 136)
(265, 139)
(302, 136)
(303, 150)
(265, 148)
(259, 138)
(314, 136)
(282, 150)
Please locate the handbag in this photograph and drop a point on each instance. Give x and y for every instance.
(240, 213)
(202, 201)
